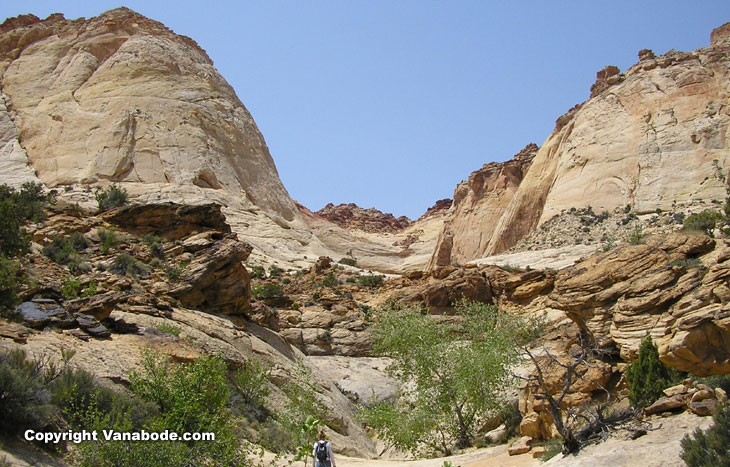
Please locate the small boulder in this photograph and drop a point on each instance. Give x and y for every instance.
(675, 390)
(666, 403)
(520, 446)
(704, 407)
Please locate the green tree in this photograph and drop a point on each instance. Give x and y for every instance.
(709, 449)
(647, 375)
(456, 374)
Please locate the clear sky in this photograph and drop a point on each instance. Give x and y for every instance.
(391, 103)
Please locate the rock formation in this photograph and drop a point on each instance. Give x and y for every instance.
(652, 136)
(121, 98)
(478, 204)
(353, 217)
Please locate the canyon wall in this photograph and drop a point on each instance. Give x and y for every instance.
(652, 137)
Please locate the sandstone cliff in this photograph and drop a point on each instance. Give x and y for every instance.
(650, 137)
(479, 203)
(120, 98)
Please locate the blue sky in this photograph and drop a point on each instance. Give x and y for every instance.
(390, 104)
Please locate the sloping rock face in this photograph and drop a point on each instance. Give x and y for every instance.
(674, 287)
(353, 217)
(650, 137)
(478, 204)
(121, 98)
(654, 135)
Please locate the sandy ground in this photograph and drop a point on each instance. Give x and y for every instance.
(488, 457)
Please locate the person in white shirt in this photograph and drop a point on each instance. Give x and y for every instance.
(322, 452)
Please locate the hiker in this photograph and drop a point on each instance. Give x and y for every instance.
(323, 452)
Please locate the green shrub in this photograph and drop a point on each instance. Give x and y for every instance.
(252, 382)
(330, 280)
(10, 281)
(16, 209)
(154, 243)
(348, 261)
(70, 288)
(24, 402)
(648, 376)
(257, 272)
(275, 271)
(370, 280)
(709, 449)
(108, 239)
(126, 265)
(267, 290)
(636, 236)
(174, 272)
(553, 447)
(113, 197)
(704, 221)
(168, 328)
(609, 244)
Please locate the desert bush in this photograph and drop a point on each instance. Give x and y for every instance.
(704, 221)
(24, 402)
(252, 382)
(168, 328)
(113, 197)
(275, 271)
(636, 236)
(648, 376)
(709, 449)
(70, 288)
(16, 209)
(267, 290)
(126, 265)
(348, 261)
(154, 243)
(330, 280)
(371, 280)
(108, 239)
(257, 272)
(174, 272)
(10, 281)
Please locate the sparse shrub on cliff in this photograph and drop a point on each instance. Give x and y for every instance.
(330, 280)
(251, 380)
(113, 197)
(257, 272)
(348, 261)
(267, 290)
(371, 280)
(704, 221)
(16, 209)
(648, 376)
(636, 236)
(108, 239)
(275, 271)
(126, 265)
(154, 243)
(10, 281)
(709, 449)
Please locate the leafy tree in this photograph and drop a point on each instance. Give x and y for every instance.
(456, 374)
(648, 376)
(709, 449)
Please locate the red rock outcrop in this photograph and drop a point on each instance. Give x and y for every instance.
(353, 217)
